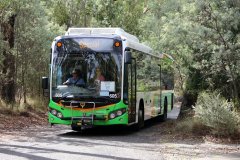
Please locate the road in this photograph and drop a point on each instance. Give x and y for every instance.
(59, 142)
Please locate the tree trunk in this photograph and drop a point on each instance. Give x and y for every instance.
(235, 88)
(7, 88)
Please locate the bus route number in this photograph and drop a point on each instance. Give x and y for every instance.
(113, 96)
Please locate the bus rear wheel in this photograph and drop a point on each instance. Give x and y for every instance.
(141, 118)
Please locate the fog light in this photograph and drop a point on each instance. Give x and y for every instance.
(119, 113)
(112, 115)
(59, 115)
(54, 112)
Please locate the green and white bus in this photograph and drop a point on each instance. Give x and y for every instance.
(129, 92)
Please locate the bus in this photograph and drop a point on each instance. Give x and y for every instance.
(128, 92)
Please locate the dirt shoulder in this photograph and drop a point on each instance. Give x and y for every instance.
(17, 121)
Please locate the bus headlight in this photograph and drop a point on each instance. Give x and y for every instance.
(112, 115)
(59, 115)
(54, 112)
(117, 113)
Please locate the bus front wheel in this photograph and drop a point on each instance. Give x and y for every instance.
(76, 128)
(140, 123)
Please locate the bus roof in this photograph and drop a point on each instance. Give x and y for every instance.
(132, 41)
(102, 31)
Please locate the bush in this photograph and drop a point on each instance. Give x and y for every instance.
(191, 125)
(185, 125)
(214, 112)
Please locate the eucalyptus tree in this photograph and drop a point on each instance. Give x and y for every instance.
(73, 13)
(33, 41)
(26, 39)
(7, 70)
(219, 47)
(165, 27)
(203, 37)
(98, 13)
(125, 14)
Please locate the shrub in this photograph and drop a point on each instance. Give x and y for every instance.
(190, 125)
(185, 125)
(214, 112)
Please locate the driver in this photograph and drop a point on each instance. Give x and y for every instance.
(76, 79)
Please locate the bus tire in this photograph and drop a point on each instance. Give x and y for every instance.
(165, 110)
(172, 100)
(76, 128)
(140, 118)
(140, 123)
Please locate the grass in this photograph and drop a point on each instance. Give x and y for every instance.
(210, 117)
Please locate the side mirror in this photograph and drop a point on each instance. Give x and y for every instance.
(44, 82)
(128, 57)
(45, 86)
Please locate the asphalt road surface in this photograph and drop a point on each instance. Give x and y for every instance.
(59, 142)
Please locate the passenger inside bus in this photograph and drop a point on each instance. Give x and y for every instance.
(99, 75)
(98, 78)
(76, 79)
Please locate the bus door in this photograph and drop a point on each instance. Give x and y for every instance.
(132, 91)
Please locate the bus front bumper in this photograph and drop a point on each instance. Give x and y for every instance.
(91, 120)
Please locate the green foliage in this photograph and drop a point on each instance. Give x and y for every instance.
(33, 35)
(203, 37)
(76, 13)
(125, 14)
(216, 113)
(99, 13)
(38, 22)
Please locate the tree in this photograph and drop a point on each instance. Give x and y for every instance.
(26, 39)
(7, 24)
(203, 38)
(34, 36)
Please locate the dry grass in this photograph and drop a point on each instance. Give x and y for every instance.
(194, 127)
(12, 120)
(17, 117)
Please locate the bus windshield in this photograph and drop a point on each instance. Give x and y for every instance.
(86, 67)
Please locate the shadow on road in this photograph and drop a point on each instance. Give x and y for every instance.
(112, 130)
(9, 151)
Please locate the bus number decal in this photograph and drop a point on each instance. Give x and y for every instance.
(113, 96)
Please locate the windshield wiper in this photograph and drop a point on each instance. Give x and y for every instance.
(96, 98)
(107, 98)
(67, 95)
